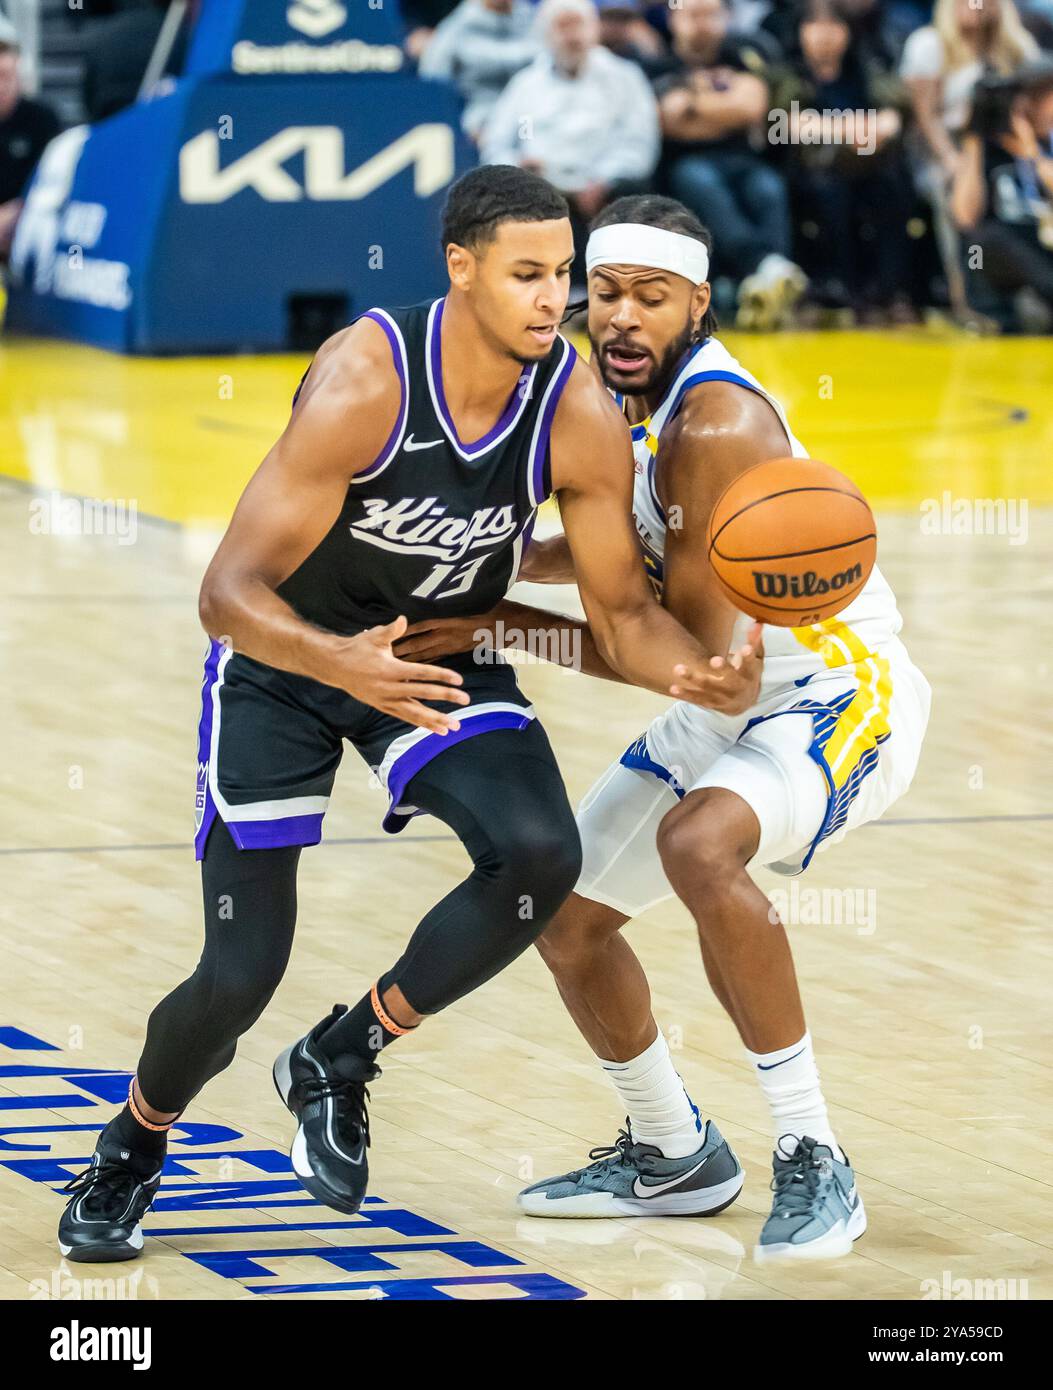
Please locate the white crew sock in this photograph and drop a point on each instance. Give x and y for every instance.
(660, 1110)
(789, 1079)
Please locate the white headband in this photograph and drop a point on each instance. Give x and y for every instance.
(632, 243)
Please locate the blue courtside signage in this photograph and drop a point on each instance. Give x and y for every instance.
(197, 221)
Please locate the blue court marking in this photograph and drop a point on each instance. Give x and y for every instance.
(23, 1041)
(247, 1266)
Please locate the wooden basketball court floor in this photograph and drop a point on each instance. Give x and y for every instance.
(926, 976)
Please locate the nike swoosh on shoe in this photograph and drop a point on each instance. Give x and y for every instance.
(653, 1189)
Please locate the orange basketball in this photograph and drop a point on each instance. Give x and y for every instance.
(792, 541)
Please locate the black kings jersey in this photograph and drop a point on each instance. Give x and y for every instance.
(435, 527)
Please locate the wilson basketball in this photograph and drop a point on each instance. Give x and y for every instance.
(792, 541)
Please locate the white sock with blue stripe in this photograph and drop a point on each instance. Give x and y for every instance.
(789, 1079)
(660, 1110)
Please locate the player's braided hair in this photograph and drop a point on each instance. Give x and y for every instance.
(481, 200)
(652, 210)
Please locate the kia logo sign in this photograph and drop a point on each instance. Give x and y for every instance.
(427, 149)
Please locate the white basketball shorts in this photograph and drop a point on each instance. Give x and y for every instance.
(813, 762)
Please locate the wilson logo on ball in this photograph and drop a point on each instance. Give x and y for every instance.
(807, 585)
(792, 541)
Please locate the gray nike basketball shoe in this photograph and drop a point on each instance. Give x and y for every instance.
(631, 1179)
(816, 1212)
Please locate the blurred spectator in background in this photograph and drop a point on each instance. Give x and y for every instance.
(422, 18)
(117, 49)
(873, 34)
(626, 33)
(715, 96)
(479, 46)
(1002, 194)
(844, 157)
(581, 117)
(26, 126)
(942, 62)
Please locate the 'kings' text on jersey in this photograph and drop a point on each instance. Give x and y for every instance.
(434, 526)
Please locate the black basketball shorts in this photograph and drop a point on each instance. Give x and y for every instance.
(269, 744)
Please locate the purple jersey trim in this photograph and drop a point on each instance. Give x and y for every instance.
(276, 834)
(204, 806)
(395, 437)
(541, 471)
(516, 401)
(246, 834)
(421, 753)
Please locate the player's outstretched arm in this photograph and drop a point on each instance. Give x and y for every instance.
(513, 627)
(345, 412)
(592, 472)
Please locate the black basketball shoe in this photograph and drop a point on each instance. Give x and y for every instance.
(329, 1099)
(103, 1217)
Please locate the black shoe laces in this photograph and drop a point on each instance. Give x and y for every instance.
(607, 1157)
(352, 1117)
(106, 1186)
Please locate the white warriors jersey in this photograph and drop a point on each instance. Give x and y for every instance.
(792, 655)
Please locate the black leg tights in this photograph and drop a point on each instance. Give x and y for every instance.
(501, 792)
(503, 795)
(250, 914)
(505, 799)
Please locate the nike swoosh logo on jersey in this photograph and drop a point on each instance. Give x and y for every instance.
(652, 1190)
(410, 447)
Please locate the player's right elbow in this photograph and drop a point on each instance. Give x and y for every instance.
(210, 606)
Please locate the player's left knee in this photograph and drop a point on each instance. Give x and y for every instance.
(540, 862)
(699, 846)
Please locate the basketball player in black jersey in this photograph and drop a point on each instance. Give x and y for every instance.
(405, 485)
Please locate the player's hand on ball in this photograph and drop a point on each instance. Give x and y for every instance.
(729, 684)
(434, 637)
(372, 673)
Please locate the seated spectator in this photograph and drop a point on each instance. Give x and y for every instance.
(1002, 194)
(874, 34)
(942, 62)
(625, 32)
(716, 95)
(581, 117)
(480, 46)
(844, 158)
(26, 126)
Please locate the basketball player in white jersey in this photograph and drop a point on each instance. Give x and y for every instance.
(833, 740)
